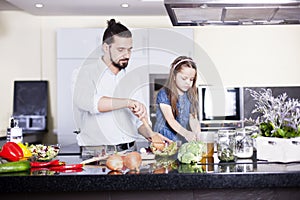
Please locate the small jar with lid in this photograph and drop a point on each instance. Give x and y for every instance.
(244, 143)
(226, 145)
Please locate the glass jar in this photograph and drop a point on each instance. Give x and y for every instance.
(244, 143)
(226, 145)
(254, 132)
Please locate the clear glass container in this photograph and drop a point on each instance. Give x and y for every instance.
(244, 143)
(226, 145)
(254, 132)
(208, 138)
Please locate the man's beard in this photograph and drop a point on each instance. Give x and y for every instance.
(118, 65)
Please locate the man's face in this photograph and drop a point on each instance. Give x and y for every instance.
(120, 51)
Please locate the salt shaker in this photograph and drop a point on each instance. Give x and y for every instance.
(16, 134)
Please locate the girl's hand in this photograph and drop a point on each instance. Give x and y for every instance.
(198, 136)
(190, 136)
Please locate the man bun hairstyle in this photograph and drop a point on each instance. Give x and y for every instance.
(115, 28)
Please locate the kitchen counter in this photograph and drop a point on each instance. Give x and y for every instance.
(162, 175)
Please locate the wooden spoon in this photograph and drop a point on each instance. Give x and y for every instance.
(94, 159)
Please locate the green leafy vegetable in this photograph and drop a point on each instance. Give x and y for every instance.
(191, 152)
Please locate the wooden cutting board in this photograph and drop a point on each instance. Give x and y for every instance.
(145, 156)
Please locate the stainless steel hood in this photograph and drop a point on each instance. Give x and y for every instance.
(233, 12)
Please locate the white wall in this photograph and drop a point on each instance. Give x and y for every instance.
(242, 55)
(253, 55)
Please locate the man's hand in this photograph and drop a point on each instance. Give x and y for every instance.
(159, 141)
(159, 138)
(137, 108)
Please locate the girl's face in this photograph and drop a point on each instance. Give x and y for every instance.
(184, 79)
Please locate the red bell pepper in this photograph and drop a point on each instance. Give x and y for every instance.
(11, 151)
(47, 164)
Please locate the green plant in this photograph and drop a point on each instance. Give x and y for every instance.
(280, 115)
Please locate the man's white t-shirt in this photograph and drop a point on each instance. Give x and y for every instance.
(94, 81)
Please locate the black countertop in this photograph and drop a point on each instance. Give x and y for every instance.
(158, 175)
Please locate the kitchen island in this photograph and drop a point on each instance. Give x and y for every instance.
(164, 178)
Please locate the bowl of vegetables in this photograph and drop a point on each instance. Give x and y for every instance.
(168, 149)
(42, 152)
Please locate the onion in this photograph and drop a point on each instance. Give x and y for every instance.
(133, 161)
(114, 162)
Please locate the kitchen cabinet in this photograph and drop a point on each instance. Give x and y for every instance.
(75, 43)
(153, 51)
(65, 125)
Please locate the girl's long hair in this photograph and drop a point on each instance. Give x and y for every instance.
(170, 86)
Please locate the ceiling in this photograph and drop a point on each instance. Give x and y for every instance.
(181, 12)
(86, 7)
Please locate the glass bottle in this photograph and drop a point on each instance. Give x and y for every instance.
(226, 145)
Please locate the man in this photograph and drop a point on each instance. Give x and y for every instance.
(104, 111)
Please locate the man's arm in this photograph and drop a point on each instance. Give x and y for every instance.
(107, 104)
(152, 136)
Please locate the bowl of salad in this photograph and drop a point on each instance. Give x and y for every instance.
(169, 149)
(42, 152)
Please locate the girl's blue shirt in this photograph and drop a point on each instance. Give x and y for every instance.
(183, 106)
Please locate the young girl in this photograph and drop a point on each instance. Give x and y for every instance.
(177, 102)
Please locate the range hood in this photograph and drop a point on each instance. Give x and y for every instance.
(233, 12)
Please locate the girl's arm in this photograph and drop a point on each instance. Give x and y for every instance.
(195, 124)
(167, 112)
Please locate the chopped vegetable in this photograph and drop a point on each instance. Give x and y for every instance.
(44, 152)
(168, 150)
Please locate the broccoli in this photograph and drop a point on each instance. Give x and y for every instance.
(191, 152)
